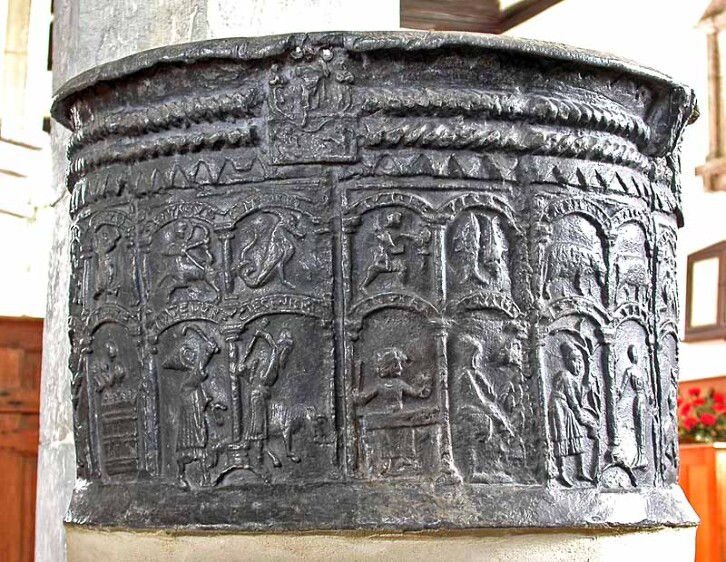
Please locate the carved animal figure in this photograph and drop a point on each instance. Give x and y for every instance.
(632, 276)
(286, 421)
(573, 268)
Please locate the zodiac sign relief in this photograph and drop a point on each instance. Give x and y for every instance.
(389, 256)
(573, 270)
(192, 357)
(190, 261)
(269, 249)
(389, 423)
(482, 247)
(574, 265)
(572, 420)
(632, 271)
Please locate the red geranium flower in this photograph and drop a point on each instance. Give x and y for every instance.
(708, 420)
(699, 401)
(679, 401)
(719, 408)
(719, 398)
(690, 423)
(695, 391)
(685, 409)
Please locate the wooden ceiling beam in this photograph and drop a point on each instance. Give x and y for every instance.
(522, 11)
(480, 16)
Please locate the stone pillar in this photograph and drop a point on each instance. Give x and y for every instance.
(89, 33)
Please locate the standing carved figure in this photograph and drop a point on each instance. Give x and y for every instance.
(485, 398)
(192, 357)
(636, 377)
(492, 426)
(188, 246)
(108, 281)
(670, 427)
(397, 440)
(260, 369)
(570, 421)
(278, 250)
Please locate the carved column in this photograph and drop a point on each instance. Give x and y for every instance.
(354, 361)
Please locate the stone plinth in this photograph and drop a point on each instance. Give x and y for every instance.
(665, 545)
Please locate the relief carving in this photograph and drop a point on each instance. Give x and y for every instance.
(190, 268)
(309, 101)
(631, 251)
(259, 369)
(389, 429)
(341, 266)
(114, 379)
(482, 246)
(636, 380)
(191, 358)
(573, 415)
(263, 259)
(389, 256)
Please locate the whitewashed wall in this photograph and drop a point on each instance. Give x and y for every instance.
(663, 35)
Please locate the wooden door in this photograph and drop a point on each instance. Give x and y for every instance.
(703, 479)
(20, 352)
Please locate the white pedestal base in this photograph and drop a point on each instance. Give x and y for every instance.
(664, 545)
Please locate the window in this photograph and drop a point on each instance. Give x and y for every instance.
(706, 294)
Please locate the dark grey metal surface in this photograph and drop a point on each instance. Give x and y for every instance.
(386, 280)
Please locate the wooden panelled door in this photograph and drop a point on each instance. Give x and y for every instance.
(20, 353)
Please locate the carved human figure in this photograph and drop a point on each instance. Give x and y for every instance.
(669, 287)
(670, 426)
(188, 244)
(192, 357)
(261, 369)
(493, 430)
(340, 91)
(108, 371)
(485, 399)
(274, 253)
(107, 278)
(573, 269)
(570, 422)
(397, 441)
(515, 401)
(482, 249)
(312, 77)
(635, 377)
(389, 254)
(118, 415)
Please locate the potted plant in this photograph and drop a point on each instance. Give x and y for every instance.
(702, 416)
